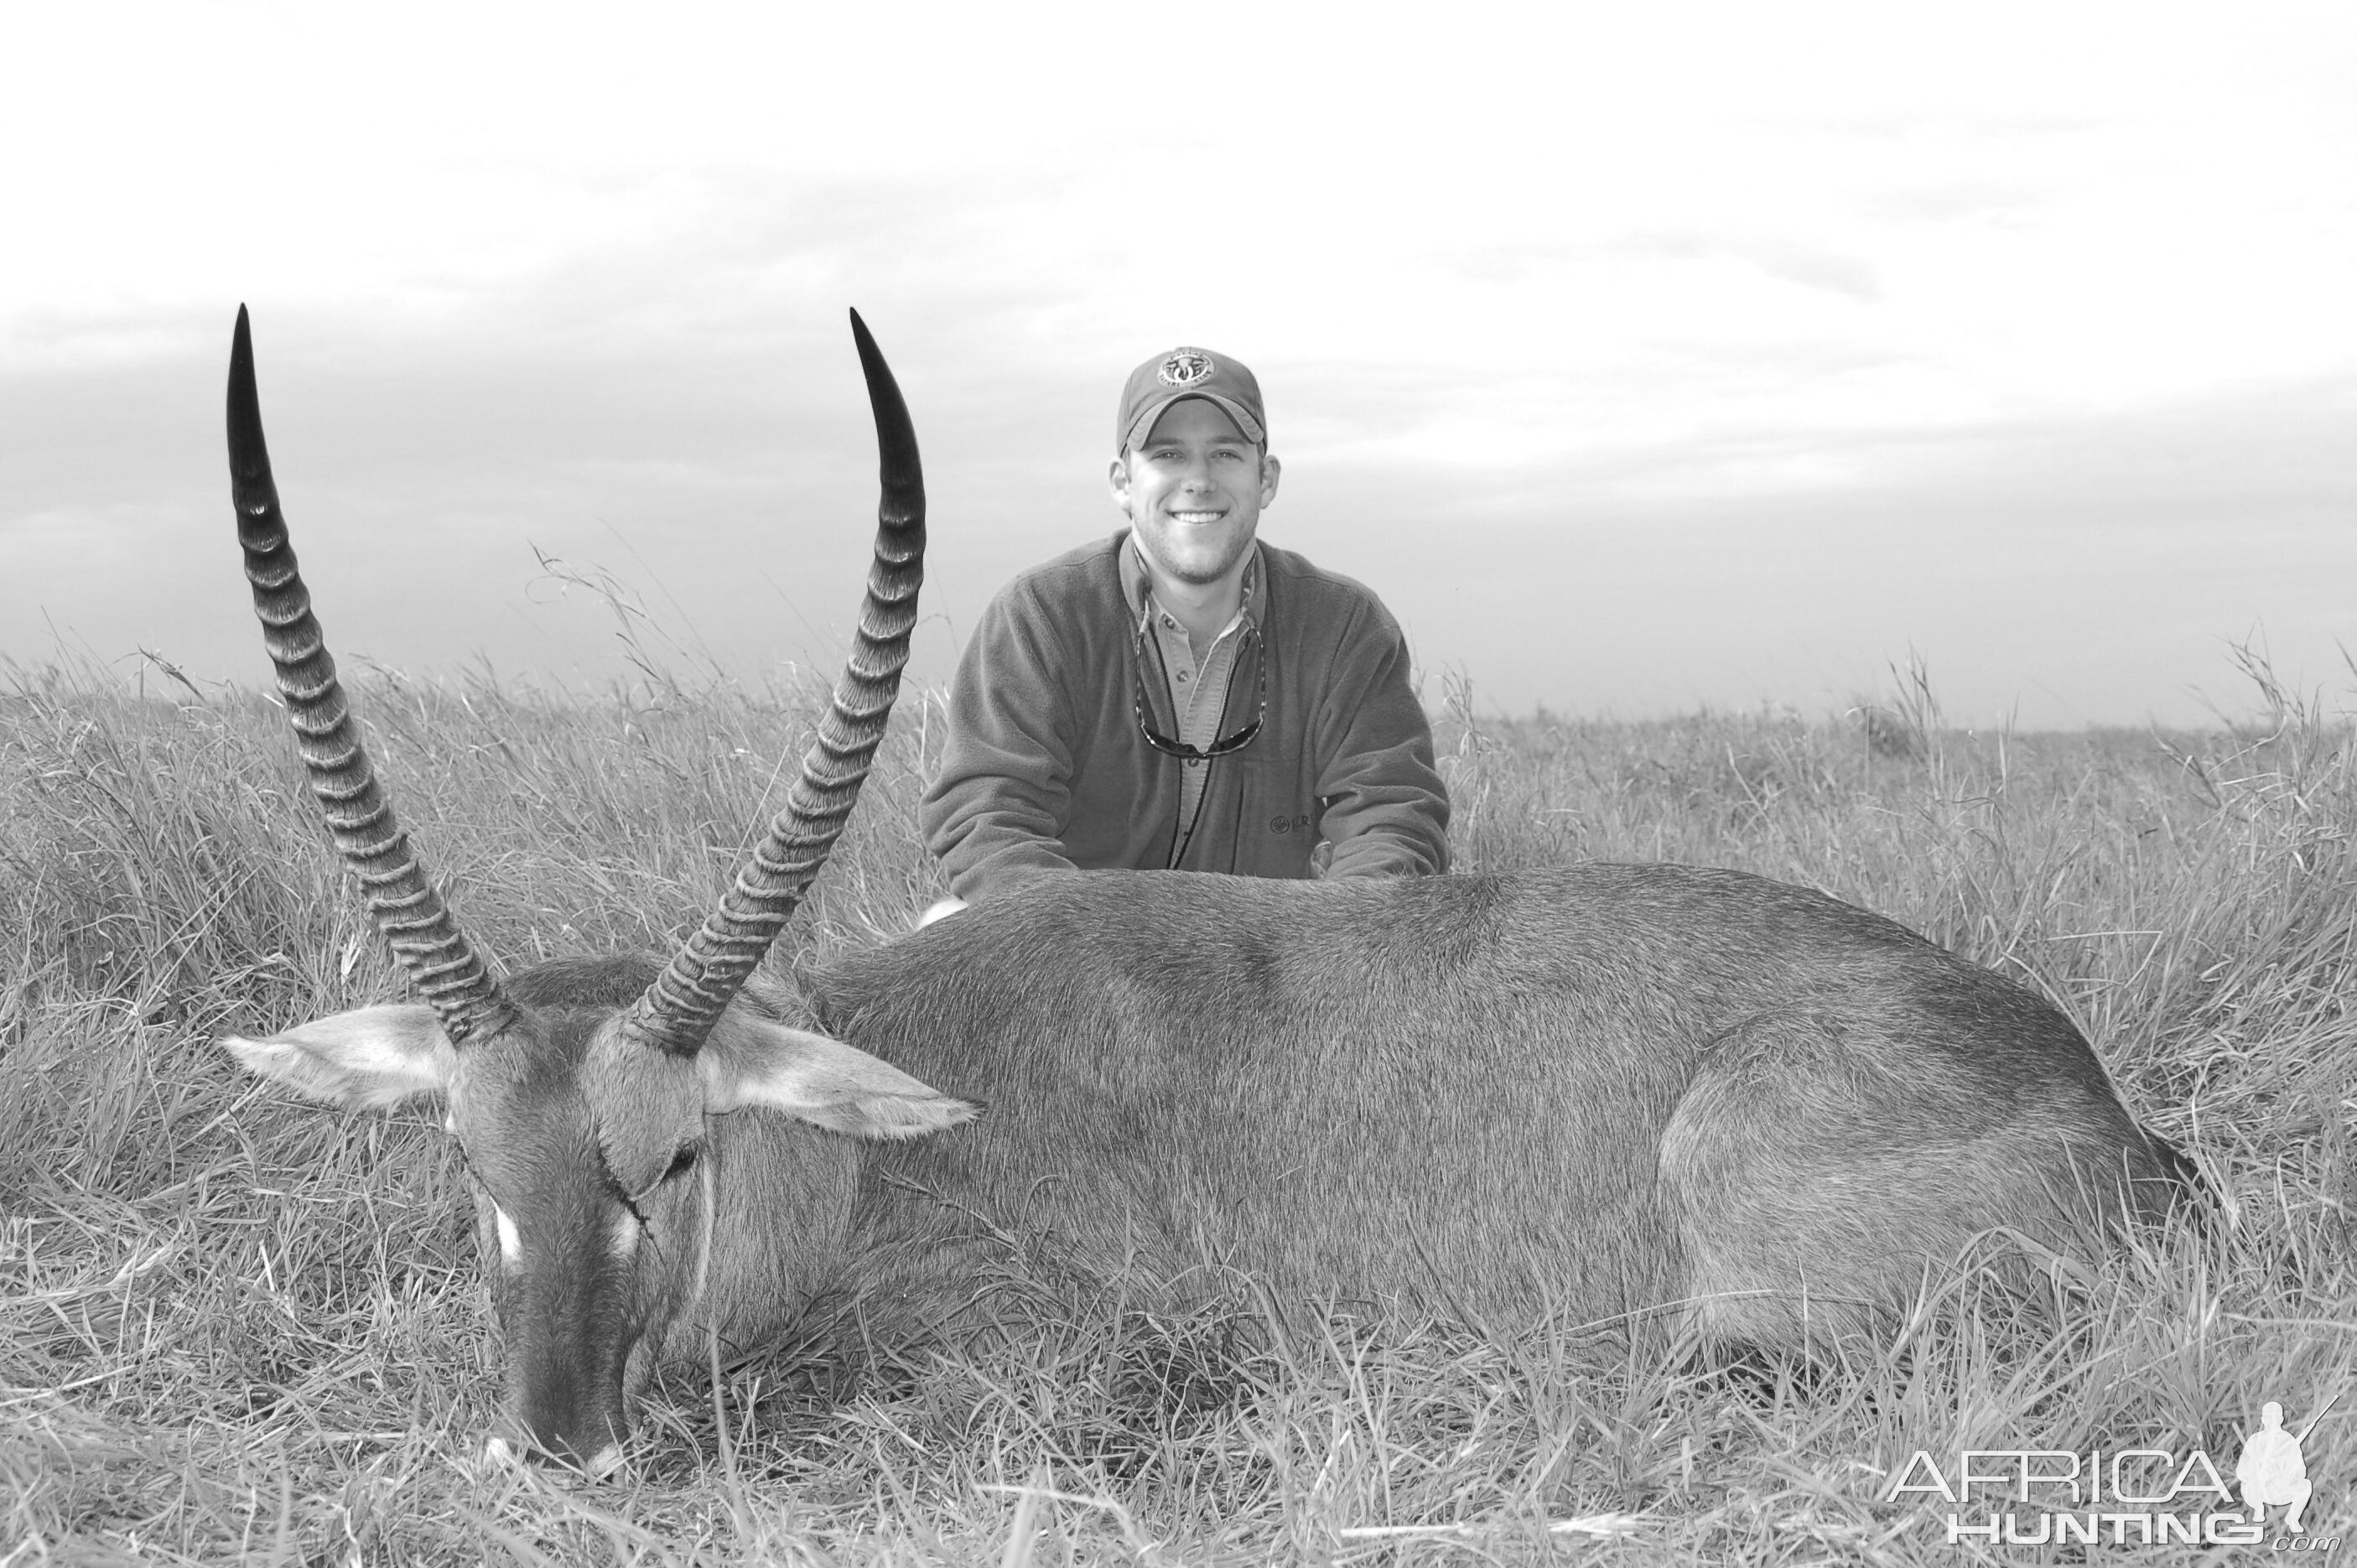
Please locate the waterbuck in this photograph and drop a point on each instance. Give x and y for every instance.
(1687, 1096)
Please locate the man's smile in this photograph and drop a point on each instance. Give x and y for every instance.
(1197, 517)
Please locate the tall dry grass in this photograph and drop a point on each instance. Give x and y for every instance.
(233, 1326)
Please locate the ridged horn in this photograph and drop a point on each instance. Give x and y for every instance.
(403, 903)
(679, 1009)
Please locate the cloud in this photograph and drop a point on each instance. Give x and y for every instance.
(1944, 201)
(2095, 570)
(1612, 546)
(1717, 316)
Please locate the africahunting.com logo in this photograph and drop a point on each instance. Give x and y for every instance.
(2034, 1496)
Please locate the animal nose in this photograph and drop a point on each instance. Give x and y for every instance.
(506, 1450)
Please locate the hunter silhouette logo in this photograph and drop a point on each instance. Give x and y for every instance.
(2272, 1472)
(2031, 1497)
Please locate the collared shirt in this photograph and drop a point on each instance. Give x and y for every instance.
(1198, 683)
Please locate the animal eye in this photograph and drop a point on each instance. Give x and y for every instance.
(681, 1162)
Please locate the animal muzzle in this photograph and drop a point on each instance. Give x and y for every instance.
(511, 1447)
(567, 1350)
(566, 1415)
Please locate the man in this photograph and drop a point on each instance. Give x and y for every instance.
(1181, 694)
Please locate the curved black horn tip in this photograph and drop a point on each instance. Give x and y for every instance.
(871, 358)
(246, 451)
(883, 390)
(241, 353)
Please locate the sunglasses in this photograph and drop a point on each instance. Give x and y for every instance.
(1170, 746)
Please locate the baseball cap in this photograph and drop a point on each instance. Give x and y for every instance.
(1189, 372)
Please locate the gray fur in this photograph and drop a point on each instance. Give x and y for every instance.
(1565, 1095)
(1572, 1094)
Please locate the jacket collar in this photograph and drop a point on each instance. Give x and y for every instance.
(1137, 584)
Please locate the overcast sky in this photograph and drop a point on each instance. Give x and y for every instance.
(1640, 356)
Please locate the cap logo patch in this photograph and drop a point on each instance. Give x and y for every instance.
(1185, 367)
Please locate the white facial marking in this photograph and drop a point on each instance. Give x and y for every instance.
(626, 1237)
(605, 1462)
(511, 1239)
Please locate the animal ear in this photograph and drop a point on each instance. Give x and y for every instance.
(758, 1061)
(360, 1060)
